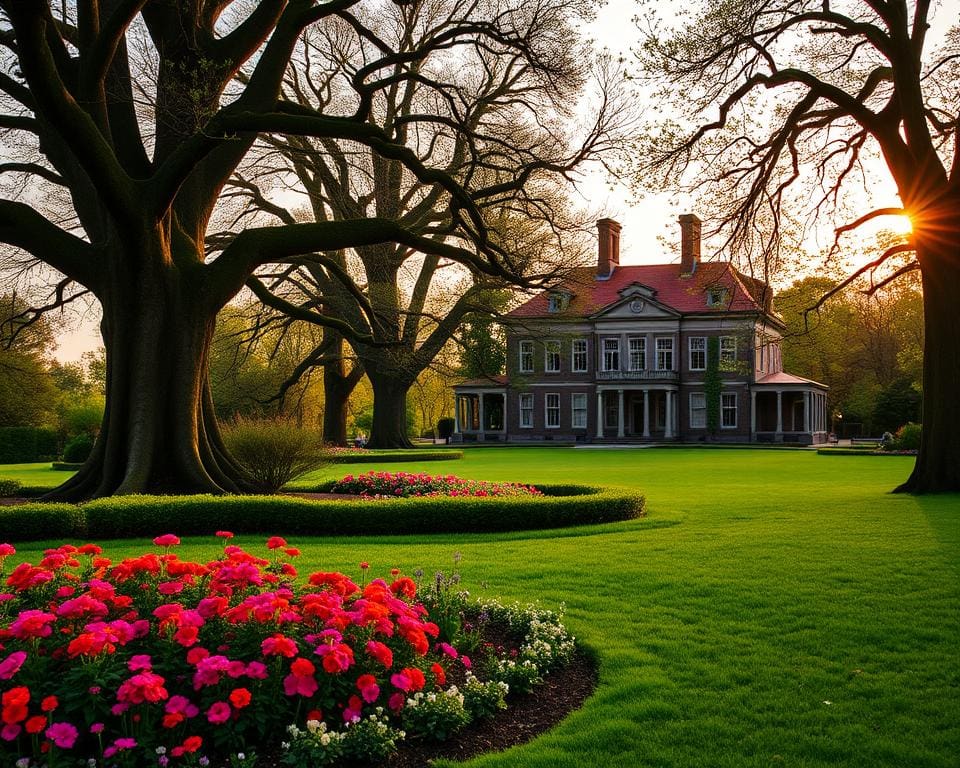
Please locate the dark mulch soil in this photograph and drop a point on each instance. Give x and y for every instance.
(526, 717)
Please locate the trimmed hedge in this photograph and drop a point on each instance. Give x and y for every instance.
(148, 516)
(861, 452)
(24, 445)
(376, 456)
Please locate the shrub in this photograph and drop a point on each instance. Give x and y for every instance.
(78, 449)
(484, 699)
(908, 438)
(273, 451)
(9, 487)
(445, 427)
(153, 654)
(20, 445)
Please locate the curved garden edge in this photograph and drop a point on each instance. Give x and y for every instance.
(374, 455)
(861, 452)
(137, 516)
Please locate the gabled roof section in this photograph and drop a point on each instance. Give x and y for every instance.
(686, 295)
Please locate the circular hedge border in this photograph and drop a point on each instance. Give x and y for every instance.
(145, 516)
(371, 455)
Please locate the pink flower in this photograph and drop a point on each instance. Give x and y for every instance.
(276, 542)
(63, 735)
(224, 534)
(167, 540)
(118, 746)
(256, 671)
(11, 665)
(140, 662)
(367, 685)
(7, 549)
(170, 587)
(10, 731)
(396, 702)
(219, 712)
(353, 710)
(31, 624)
(96, 728)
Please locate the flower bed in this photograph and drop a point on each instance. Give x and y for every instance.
(405, 485)
(159, 661)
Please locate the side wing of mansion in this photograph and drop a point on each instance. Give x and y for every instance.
(660, 353)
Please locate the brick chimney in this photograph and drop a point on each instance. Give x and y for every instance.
(608, 254)
(689, 244)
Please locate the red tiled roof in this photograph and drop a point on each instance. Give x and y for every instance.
(684, 294)
(498, 380)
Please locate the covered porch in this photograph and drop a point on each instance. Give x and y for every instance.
(648, 412)
(480, 412)
(788, 409)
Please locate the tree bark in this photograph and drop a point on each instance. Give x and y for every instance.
(337, 386)
(389, 411)
(937, 469)
(159, 432)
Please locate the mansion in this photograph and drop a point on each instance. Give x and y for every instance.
(686, 352)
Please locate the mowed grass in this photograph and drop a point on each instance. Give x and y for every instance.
(774, 608)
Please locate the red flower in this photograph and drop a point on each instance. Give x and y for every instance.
(35, 724)
(167, 540)
(15, 704)
(438, 674)
(381, 653)
(279, 645)
(276, 542)
(49, 704)
(240, 698)
(224, 534)
(367, 685)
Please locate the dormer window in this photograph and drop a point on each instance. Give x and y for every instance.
(717, 297)
(558, 301)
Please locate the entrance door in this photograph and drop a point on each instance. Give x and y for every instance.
(637, 410)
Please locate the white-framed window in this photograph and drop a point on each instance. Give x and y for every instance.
(551, 356)
(728, 352)
(665, 354)
(698, 410)
(526, 357)
(698, 353)
(638, 352)
(578, 410)
(578, 362)
(611, 354)
(526, 410)
(552, 410)
(728, 410)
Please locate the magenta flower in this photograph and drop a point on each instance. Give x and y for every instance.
(63, 735)
(11, 665)
(219, 712)
(167, 540)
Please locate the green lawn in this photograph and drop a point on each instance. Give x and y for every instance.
(775, 608)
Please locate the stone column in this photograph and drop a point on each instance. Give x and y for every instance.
(646, 413)
(668, 426)
(599, 414)
(753, 415)
(779, 415)
(483, 425)
(807, 404)
(456, 414)
(620, 427)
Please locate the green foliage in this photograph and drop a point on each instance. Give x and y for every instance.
(370, 740)
(896, 405)
(81, 415)
(483, 350)
(712, 384)
(9, 487)
(908, 438)
(274, 451)
(435, 716)
(314, 746)
(129, 516)
(36, 522)
(484, 699)
(26, 444)
(78, 449)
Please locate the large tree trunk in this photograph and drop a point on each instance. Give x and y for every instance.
(937, 469)
(159, 432)
(337, 387)
(389, 411)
